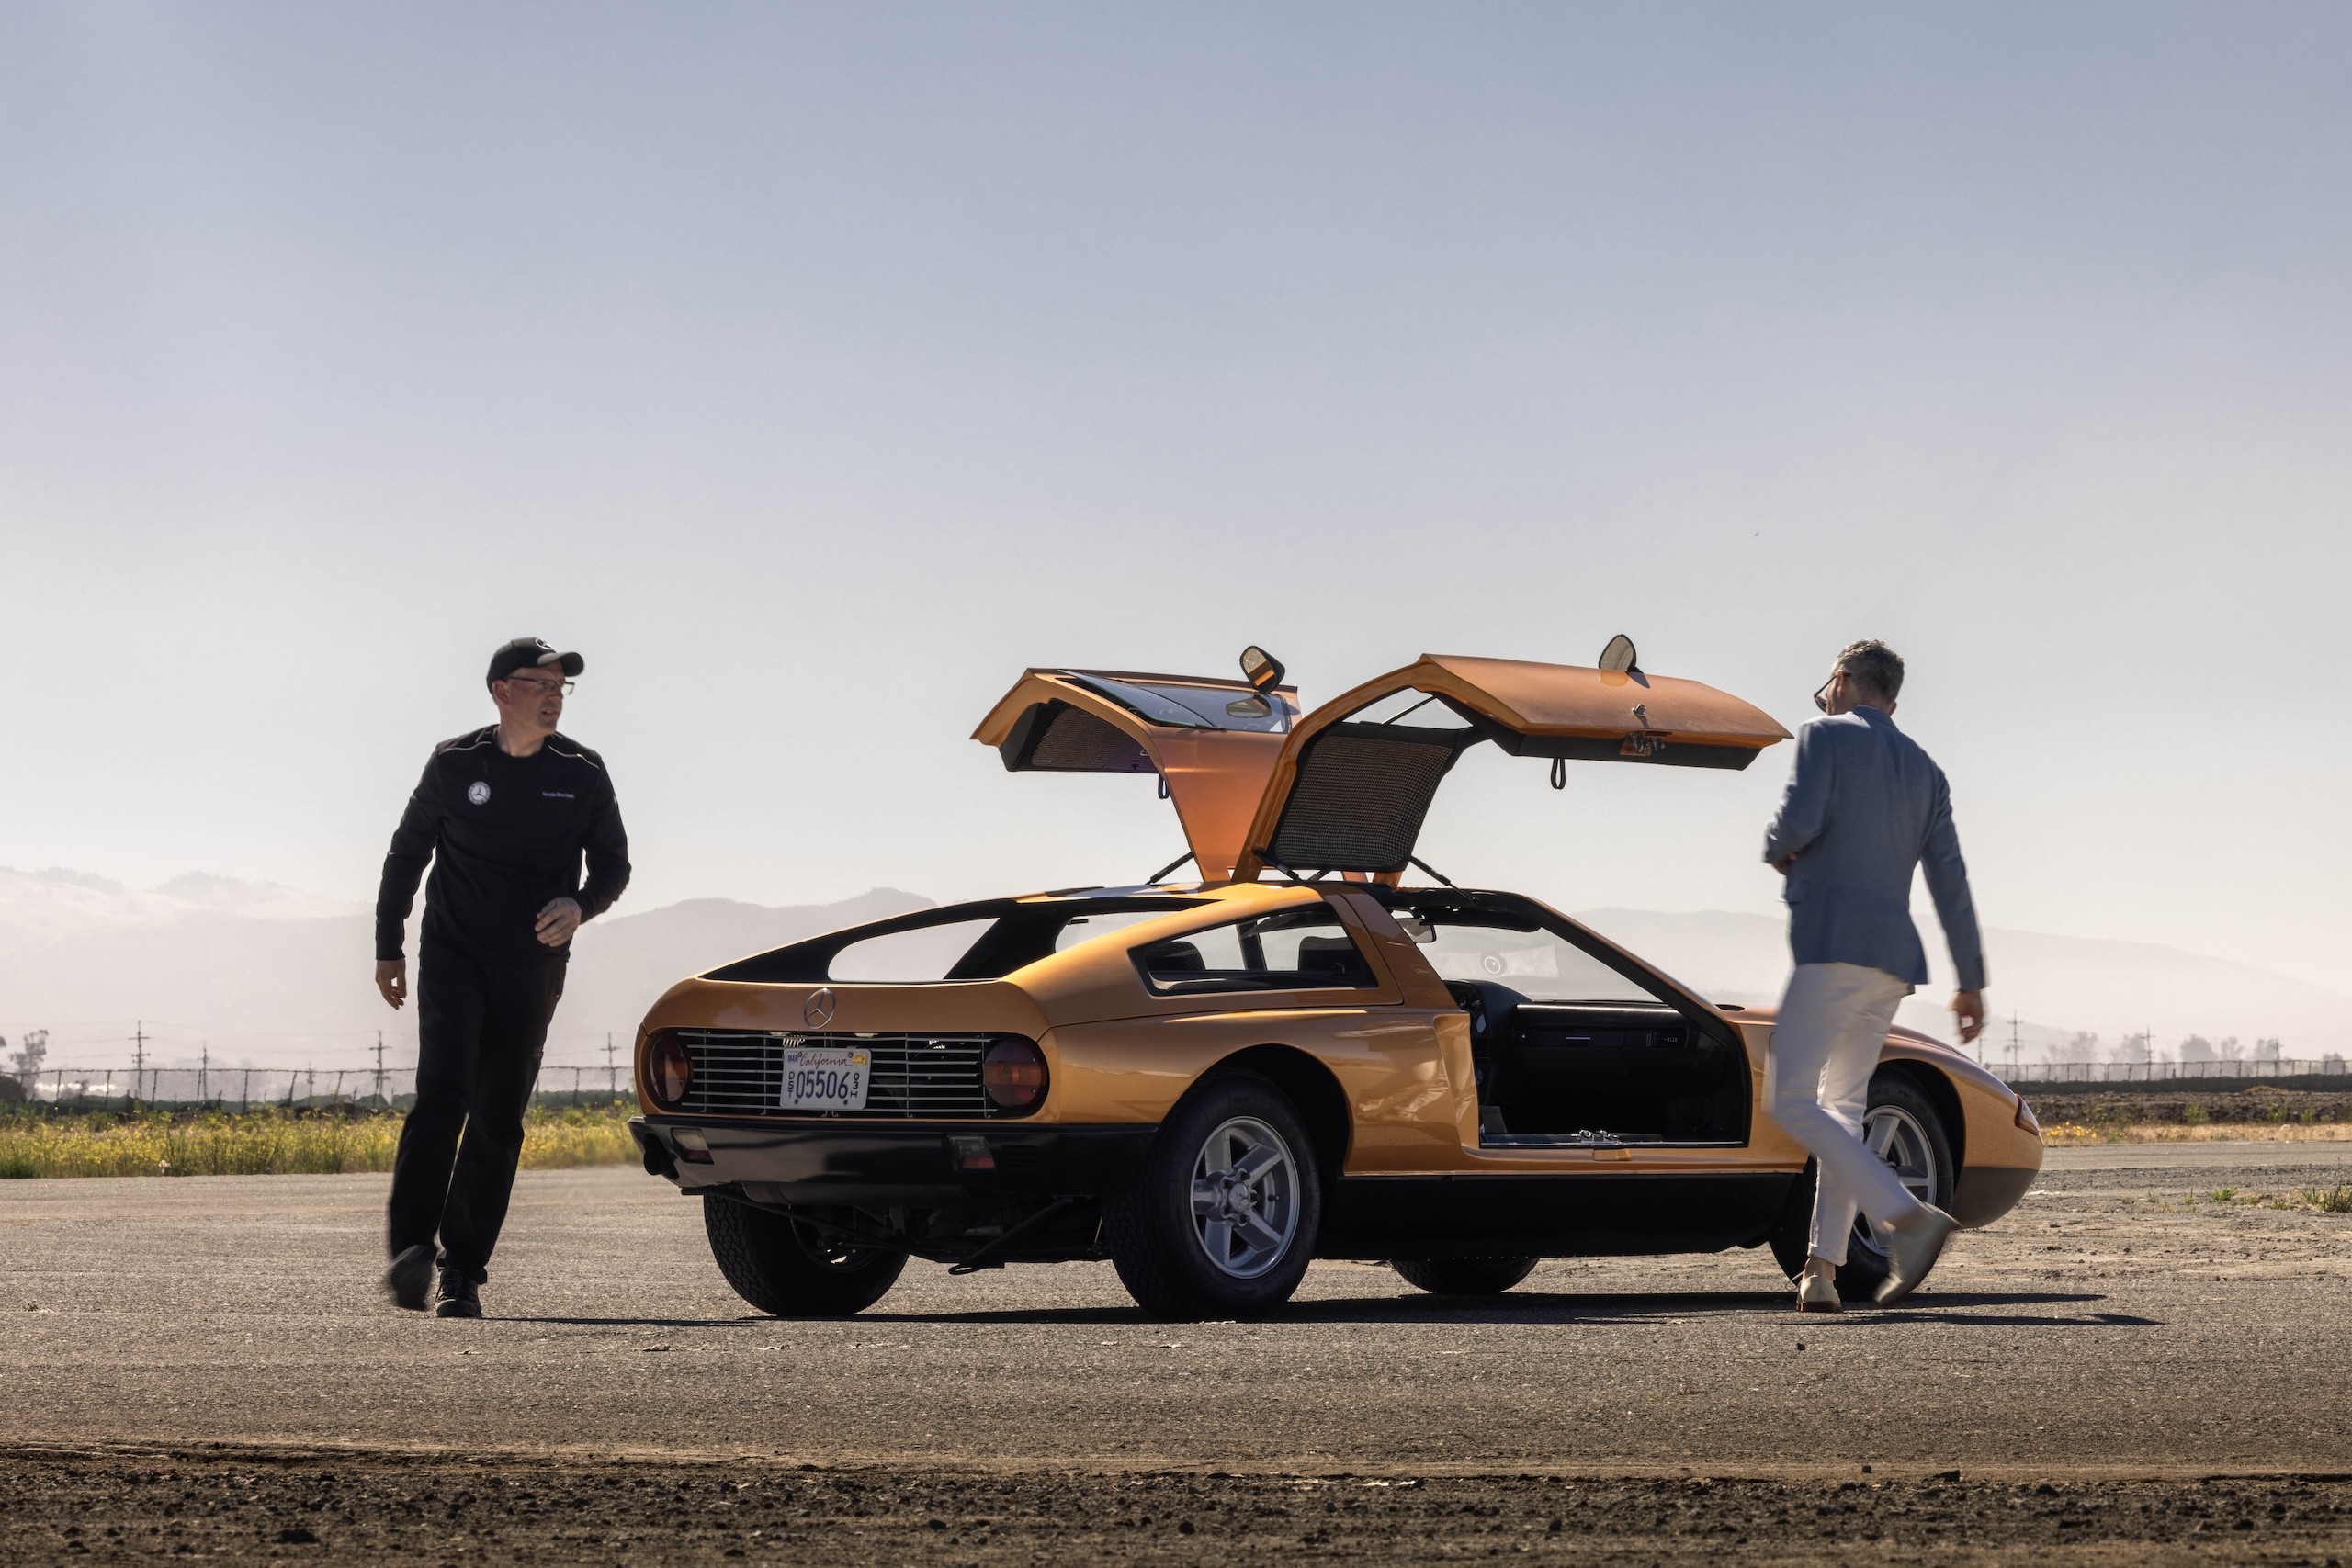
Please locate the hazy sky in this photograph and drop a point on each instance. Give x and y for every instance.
(814, 370)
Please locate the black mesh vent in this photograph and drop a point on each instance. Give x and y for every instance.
(1361, 792)
(1056, 737)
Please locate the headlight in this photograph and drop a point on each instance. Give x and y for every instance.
(669, 1071)
(1013, 1072)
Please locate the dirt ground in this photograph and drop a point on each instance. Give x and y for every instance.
(127, 1506)
(2144, 1364)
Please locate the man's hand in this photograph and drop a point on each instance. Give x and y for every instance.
(391, 979)
(1968, 1007)
(559, 920)
(1782, 864)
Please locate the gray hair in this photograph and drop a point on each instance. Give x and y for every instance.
(1872, 664)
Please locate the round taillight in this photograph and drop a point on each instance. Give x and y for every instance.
(1013, 1072)
(670, 1071)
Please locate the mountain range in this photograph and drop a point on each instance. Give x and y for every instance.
(270, 977)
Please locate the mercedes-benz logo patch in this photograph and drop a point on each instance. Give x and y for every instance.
(818, 1010)
(479, 792)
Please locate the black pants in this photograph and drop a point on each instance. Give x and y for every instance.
(480, 1025)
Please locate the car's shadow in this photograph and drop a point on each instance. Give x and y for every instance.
(1975, 1309)
(1970, 1309)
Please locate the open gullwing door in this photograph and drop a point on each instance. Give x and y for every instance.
(1212, 743)
(1356, 776)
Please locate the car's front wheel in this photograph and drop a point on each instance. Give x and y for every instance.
(1464, 1276)
(784, 1267)
(1904, 1128)
(1223, 1221)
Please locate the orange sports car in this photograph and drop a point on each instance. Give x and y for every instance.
(1295, 1053)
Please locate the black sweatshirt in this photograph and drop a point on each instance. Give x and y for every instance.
(504, 835)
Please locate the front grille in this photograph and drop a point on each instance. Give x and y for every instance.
(740, 1073)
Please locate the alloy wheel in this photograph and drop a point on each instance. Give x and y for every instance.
(1245, 1198)
(1896, 1136)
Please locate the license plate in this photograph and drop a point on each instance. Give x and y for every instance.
(824, 1078)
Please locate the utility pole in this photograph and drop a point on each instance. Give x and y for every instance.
(138, 1058)
(612, 1069)
(380, 1067)
(2013, 1043)
(203, 1072)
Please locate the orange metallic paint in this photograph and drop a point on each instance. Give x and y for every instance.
(1538, 700)
(1214, 776)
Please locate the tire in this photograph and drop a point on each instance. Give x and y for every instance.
(1465, 1276)
(782, 1267)
(1222, 1220)
(1899, 1111)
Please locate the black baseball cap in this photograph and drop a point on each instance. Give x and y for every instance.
(529, 653)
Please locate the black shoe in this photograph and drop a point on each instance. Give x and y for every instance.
(409, 1277)
(460, 1297)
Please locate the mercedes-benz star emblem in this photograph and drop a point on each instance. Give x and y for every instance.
(818, 1010)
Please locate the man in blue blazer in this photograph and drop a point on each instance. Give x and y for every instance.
(1865, 806)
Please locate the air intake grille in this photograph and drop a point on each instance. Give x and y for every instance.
(739, 1073)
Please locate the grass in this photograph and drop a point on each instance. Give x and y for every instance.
(2336, 1199)
(2063, 1134)
(273, 1142)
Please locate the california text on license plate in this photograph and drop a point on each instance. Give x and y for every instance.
(824, 1078)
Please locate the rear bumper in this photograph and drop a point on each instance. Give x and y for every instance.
(934, 1164)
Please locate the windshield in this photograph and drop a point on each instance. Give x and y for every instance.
(1192, 708)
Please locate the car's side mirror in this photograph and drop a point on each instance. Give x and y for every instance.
(1618, 657)
(1262, 669)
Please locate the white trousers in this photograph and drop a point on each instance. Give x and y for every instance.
(1825, 1046)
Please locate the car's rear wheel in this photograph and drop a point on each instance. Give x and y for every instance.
(1222, 1220)
(1464, 1276)
(786, 1266)
(1904, 1128)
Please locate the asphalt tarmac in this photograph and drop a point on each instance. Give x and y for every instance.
(199, 1361)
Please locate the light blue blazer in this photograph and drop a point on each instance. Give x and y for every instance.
(1864, 805)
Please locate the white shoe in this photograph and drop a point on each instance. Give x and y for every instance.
(1818, 1293)
(1914, 1247)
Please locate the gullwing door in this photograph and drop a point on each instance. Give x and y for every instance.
(1212, 743)
(1355, 777)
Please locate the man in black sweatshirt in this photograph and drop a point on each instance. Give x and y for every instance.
(504, 815)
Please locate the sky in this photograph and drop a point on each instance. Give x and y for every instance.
(815, 369)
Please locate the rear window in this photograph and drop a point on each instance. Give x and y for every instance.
(962, 942)
(903, 958)
(1297, 950)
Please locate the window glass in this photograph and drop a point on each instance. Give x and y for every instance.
(1086, 928)
(1410, 709)
(1537, 964)
(1193, 707)
(1296, 950)
(907, 957)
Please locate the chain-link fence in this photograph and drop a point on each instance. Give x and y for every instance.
(243, 1088)
(2265, 1071)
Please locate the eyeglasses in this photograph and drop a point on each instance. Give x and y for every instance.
(1820, 698)
(538, 685)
